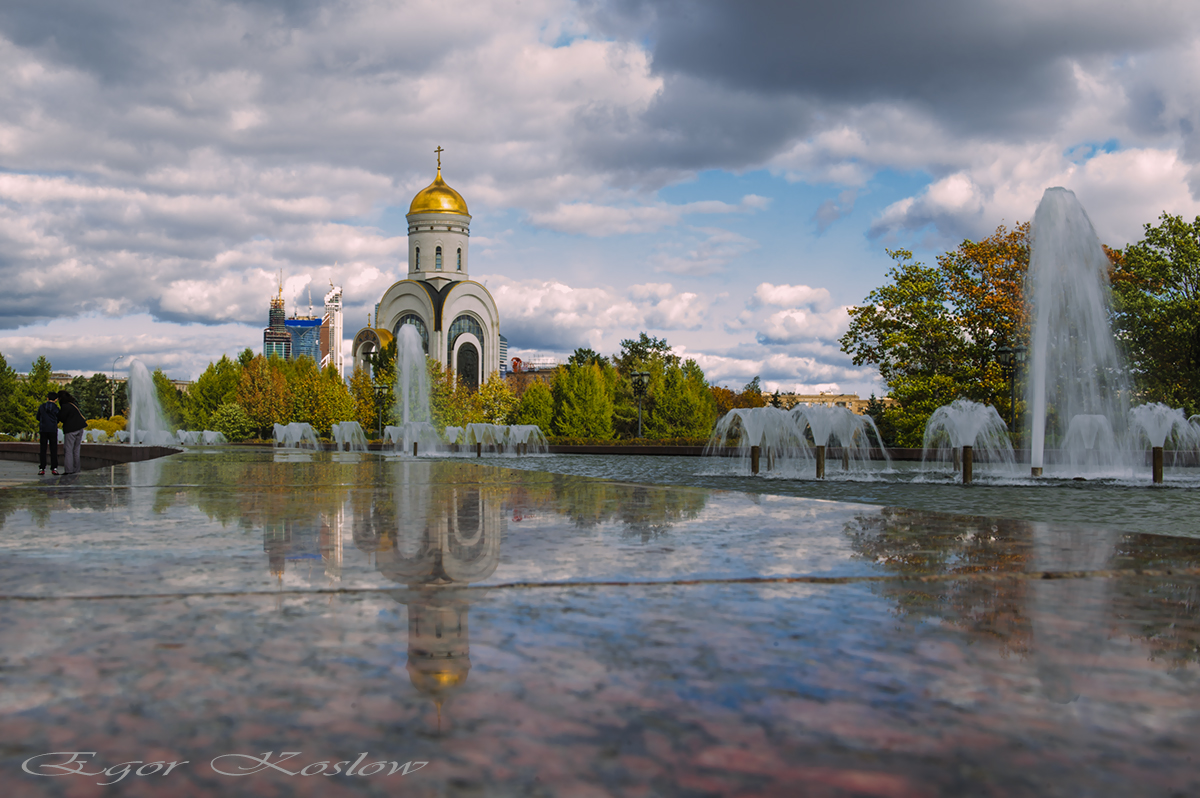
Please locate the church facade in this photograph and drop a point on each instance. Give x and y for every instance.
(455, 316)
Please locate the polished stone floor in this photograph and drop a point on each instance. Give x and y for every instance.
(253, 621)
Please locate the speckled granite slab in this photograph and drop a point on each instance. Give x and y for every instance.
(253, 621)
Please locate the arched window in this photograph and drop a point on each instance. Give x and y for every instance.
(437, 259)
(460, 259)
(465, 324)
(416, 321)
(418, 259)
(467, 366)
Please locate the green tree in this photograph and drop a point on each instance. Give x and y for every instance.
(10, 415)
(231, 421)
(31, 393)
(92, 393)
(216, 386)
(582, 405)
(170, 399)
(584, 356)
(245, 356)
(262, 393)
(933, 332)
(362, 398)
(887, 430)
(1156, 303)
(683, 405)
(536, 406)
(907, 330)
(496, 402)
(641, 350)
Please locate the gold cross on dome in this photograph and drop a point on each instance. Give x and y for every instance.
(439, 152)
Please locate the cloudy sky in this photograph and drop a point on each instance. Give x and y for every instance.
(726, 175)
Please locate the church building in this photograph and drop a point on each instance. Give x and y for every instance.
(455, 316)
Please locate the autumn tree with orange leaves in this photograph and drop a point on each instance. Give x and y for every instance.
(933, 331)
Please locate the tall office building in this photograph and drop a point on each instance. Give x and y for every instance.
(503, 356)
(306, 337)
(331, 331)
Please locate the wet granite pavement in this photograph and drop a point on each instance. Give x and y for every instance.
(527, 633)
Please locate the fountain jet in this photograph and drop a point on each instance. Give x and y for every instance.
(1075, 368)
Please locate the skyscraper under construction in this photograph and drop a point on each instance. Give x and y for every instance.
(277, 340)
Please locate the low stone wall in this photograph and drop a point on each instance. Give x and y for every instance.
(91, 455)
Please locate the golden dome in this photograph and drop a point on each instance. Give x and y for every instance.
(438, 197)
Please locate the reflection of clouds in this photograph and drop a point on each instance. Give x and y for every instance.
(1058, 627)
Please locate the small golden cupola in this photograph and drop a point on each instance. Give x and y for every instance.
(438, 197)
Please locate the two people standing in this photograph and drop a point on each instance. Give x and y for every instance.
(49, 416)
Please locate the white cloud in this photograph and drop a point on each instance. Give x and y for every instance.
(791, 314)
(89, 343)
(1120, 190)
(551, 316)
(585, 218)
(706, 250)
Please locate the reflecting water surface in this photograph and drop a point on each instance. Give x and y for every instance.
(548, 632)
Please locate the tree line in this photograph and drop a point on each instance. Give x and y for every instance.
(935, 333)
(591, 397)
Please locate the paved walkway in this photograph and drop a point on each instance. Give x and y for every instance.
(16, 473)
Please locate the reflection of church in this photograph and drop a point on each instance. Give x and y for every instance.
(458, 543)
(433, 539)
(455, 316)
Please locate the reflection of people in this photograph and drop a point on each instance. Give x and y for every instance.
(47, 416)
(73, 423)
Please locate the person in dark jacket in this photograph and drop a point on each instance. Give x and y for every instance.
(47, 416)
(73, 424)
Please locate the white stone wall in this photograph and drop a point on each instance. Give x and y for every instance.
(450, 231)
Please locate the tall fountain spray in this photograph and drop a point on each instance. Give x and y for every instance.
(146, 423)
(1075, 368)
(412, 392)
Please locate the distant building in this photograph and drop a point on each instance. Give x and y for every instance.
(503, 356)
(850, 401)
(277, 340)
(331, 331)
(306, 337)
(524, 372)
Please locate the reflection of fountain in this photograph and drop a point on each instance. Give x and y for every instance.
(1074, 366)
(146, 424)
(971, 429)
(780, 438)
(1069, 617)
(348, 436)
(296, 435)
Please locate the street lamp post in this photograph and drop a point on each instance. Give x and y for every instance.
(1011, 358)
(112, 388)
(641, 380)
